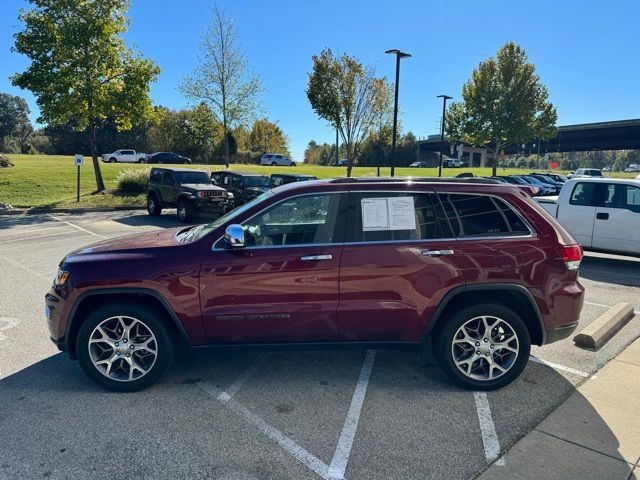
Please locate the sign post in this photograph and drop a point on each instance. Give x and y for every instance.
(78, 161)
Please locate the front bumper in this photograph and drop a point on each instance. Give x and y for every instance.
(53, 312)
(213, 205)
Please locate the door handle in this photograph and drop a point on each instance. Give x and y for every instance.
(315, 258)
(602, 216)
(436, 253)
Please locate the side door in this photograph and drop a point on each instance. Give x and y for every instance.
(283, 285)
(168, 190)
(126, 156)
(398, 262)
(579, 215)
(617, 218)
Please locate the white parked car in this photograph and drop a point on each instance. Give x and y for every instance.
(124, 156)
(586, 172)
(600, 213)
(275, 159)
(634, 167)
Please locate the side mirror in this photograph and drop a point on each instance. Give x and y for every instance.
(234, 236)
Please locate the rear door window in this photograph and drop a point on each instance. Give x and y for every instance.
(395, 216)
(482, 216)
(583, 194)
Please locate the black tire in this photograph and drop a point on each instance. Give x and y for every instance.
(186, 162)
(151, 319)
(274, 164)
(185, 210)
(153, 205)
(159, 162)
(293, 164)
(141, 160)
(444, 350)
(112, 160)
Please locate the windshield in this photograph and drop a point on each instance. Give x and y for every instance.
(257, 182)
(192, 177)
(203, 230)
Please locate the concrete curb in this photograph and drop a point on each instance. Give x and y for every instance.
(599, 332)
(34, 211)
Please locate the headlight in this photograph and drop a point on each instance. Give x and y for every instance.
(229, 194)
(202, 194)
(61, 277)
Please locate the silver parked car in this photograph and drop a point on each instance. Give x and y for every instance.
(275, 159)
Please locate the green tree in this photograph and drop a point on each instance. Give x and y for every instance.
(503, 102)
(14, 117)
(221, 78)
(80, 67)
(344, 92)
(266, 136)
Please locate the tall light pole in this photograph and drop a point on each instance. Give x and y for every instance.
(444, 109)
(399, 55)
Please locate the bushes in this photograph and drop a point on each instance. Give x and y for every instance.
(133, 181)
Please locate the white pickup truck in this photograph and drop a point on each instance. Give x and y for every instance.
(124, 156)
(600, 213)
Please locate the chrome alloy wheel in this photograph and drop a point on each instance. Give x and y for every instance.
(485, 348)
(123, 348)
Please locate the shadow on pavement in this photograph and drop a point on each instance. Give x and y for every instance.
(611, 269)
(55, 423)
(166, 220)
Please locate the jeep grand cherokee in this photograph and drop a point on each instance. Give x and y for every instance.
(474, 269)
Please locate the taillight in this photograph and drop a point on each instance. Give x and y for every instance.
(571, 255)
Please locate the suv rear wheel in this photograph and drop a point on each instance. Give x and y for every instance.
(153, 205)
(483, 347)
(185, 210)
(123, 347)
(274, 164)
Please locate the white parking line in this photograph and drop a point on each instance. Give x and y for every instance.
(562, 368)
(75, 226)
(488, 429)
(345, 443)
(19, 265)
(29, 230)
(598, 304)
(66, 232)
(238, 384)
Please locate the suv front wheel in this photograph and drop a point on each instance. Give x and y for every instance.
(185, 210)
(153, 205)
(483, 347)
(123, 347)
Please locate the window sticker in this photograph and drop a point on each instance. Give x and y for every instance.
(392, 213)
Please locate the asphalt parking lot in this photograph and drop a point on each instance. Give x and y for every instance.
(248, 415)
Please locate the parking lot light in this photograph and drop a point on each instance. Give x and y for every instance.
(444, 108)
(399, 55)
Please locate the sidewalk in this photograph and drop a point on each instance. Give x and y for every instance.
(595, 433)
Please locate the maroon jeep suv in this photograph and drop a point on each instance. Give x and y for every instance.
(474, 269)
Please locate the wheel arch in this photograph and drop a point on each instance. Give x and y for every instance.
(512, 295)
(90, 300)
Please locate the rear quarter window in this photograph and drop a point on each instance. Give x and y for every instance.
(482, 216)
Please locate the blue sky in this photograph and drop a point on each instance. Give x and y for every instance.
(586, 52)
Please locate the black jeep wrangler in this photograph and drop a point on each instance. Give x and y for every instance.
(245, 186)
(190, 191)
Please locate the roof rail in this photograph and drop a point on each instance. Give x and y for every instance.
(354, 180)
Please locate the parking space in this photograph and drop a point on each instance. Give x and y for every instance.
(231, 415)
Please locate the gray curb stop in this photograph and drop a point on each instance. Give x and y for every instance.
(604, 327)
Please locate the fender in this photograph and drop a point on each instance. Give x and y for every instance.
(451, 294)
(111, 291)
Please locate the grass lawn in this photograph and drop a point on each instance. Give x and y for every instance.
(49, 181)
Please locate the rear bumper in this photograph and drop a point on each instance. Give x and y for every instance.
(560, 333)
